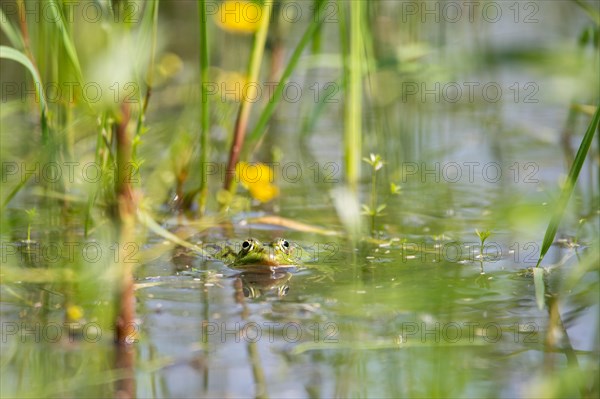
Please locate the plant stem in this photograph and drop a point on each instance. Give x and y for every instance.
(150, 73)
(373, 199)
(125, 226)
(204, 109)
(353, 108)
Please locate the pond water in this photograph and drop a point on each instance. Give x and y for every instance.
(413, 309)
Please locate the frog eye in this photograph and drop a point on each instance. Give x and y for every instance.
(285, 244)
(247, 245)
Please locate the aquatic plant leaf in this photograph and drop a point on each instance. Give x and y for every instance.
(66, 39)
(15, 190)
(569, 186)
(483, 235)
(15, 55)
(10, 31)
(259, 129)
(150, 223)
(590, 10)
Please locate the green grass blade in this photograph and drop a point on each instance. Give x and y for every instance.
(146, 220)
(204, 109)
(15, 190)
(67, 42)
(13, 35)
(148, 28)
(316, 43)
(591, 11)
(15, 55)
(148, 37)
(569, 185)
(312, 29)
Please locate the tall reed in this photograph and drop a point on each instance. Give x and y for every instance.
(353, 106)
(569, 185)
(204, 106)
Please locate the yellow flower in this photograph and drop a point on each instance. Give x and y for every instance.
(257, 178)
(239, 16)
(264, 192)
(253, 173)
(74, 313)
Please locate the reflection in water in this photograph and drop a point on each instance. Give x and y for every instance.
(125, 363)
(255, 285)
(482, 279)
(183, 259)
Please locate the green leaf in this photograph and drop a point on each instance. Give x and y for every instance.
(540, 290)
(13, 35)
(591, 11)
(259, 128)
(146, 220)
(569, 185)
(15, 190)
(483, 235)
(15, 55)
(67, 42)
(31, 213)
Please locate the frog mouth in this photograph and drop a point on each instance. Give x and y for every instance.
(269, 261)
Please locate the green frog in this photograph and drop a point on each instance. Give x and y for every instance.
(256, 256)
